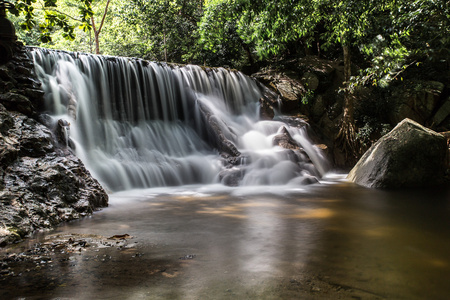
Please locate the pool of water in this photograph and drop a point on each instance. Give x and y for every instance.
(333, 240)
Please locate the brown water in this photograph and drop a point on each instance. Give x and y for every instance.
(328, 241)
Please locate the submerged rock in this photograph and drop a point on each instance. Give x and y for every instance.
(409, 156)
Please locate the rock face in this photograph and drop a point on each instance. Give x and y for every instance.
(409, 156)
(417, 100)
(300, 80)
(41, 182)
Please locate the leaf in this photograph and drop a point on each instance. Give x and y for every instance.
(50, 3)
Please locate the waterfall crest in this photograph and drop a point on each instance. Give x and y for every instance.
(139, 124)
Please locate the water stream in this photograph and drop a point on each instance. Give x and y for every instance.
(139, 124)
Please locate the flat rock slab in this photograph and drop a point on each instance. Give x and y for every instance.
(410, 156)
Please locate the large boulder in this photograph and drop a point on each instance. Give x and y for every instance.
(409, 156)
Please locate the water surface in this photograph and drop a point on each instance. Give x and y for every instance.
(326, 241)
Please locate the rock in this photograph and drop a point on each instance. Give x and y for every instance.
(6, 121)
(310, 81)
(17, 102)
(231, 177)
(287, 90)
(8, 152)
(410, 156)
(443, 113)
(317, 65)
(41, 182)
(416, 100)
(218, 132)
(295, 152)
(45, 191)
(266, 111)
(318, 108)
(291, 91)
(285, 140)
(5, 75)
(35, 139)
(304, 180)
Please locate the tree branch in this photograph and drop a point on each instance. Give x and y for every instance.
(62, 13)
(93, 24)
(104, 16)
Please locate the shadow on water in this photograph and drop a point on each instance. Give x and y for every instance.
(337, 241)
(386, 244)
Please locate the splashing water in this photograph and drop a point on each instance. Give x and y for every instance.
(139, 124)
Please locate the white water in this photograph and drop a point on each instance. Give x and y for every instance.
(137, 124)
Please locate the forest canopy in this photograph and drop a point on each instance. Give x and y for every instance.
(387, 35)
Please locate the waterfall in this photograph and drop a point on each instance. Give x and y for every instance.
(140, 124)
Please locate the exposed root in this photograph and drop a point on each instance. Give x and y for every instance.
(347, 141)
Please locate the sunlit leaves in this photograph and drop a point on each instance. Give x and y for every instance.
(50, 3)
(45, 17)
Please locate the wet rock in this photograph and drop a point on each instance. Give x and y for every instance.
(42, 192)
(6, 121)
(35, 139)
(17, 102)
(41, 184)
(218, 132)
(410, 156)
(266, 111)
(291, 92)
(5, 75)
(231, 177)
(285, 140)
(296, 153)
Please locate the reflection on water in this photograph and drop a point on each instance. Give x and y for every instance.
(328, 241)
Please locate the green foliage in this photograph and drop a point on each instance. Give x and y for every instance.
(389, 36)
(307, 97)
(45, 18)
(219, 36)
(163, 27)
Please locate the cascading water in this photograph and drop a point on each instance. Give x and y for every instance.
(139, 124)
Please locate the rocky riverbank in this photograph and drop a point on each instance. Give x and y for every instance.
(42, 182)
(310, 87)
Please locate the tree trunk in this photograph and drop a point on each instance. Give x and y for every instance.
(346, 139)
(165, 48)
(97, 42)
(249, 54)
(97, 31)
(348, 100)
(96, 35)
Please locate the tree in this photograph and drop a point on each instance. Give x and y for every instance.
(62, 18)
(170, 26)
(219, 33)
(97, 30)
(407, 29)
(44, 16)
